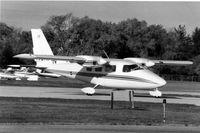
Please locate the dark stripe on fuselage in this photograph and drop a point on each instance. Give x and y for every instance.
(103, 75)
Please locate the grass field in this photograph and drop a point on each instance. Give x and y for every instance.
(60, 111)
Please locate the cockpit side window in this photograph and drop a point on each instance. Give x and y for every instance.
(129, 68)
(89, 69)
(98, 69)
(110, 68)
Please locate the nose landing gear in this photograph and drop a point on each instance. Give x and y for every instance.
(155, 93)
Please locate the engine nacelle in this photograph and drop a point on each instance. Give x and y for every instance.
(89, 60)
(101, 61)
(142, 61)
(88, 90)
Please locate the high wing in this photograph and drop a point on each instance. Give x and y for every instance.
(172, 62)
(149, 63)
(96, 60)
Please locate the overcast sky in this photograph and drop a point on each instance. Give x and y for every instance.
(33, 14)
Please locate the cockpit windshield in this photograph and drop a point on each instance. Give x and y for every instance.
(129, 68)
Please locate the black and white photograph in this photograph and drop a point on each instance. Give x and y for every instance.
(99, 66)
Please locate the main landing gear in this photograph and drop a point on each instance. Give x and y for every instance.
(131, 101)
(156, 93)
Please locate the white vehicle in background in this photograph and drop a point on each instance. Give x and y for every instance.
(18, 74)
(7, 75)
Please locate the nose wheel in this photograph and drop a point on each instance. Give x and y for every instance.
(156, 93)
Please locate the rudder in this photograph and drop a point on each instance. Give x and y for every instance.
(41, 47)
(40, 44)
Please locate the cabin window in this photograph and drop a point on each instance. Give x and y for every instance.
(88, 69)
(94, 63)
(98, 69)
(110, 68)
(129, 68)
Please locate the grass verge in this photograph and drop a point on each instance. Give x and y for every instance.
(66, 111)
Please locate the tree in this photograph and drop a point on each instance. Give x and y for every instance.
(57, 30)
(7, 56)
(184, 44)
(156, 35)
(130, 35)
(196, 41)
(13, 41)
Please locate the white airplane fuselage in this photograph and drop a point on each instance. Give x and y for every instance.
(118, 78)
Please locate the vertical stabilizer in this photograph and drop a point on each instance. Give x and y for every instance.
(40, 44)
(41, 47)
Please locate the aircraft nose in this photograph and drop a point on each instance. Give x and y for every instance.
(160, 81)
(155, 78)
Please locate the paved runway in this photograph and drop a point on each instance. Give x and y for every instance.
(75, 93)
(95, 129)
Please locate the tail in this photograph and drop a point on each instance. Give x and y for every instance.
(40, 47)
(40, 44)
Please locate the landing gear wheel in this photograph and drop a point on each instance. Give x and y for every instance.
(156, 93)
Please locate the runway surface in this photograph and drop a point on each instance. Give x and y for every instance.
(95, 129)
(183, 97)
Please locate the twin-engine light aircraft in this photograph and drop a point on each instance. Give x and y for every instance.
(126, 74)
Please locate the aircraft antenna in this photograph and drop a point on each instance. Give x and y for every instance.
(106, 54)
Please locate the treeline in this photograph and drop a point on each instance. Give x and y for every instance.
(69, 35)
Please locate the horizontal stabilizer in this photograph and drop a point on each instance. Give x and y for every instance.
(49, 57)
(18, 66)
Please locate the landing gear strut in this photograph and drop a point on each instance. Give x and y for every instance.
(112, 99)
(131, 99)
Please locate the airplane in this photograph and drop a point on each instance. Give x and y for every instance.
(124, 74)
